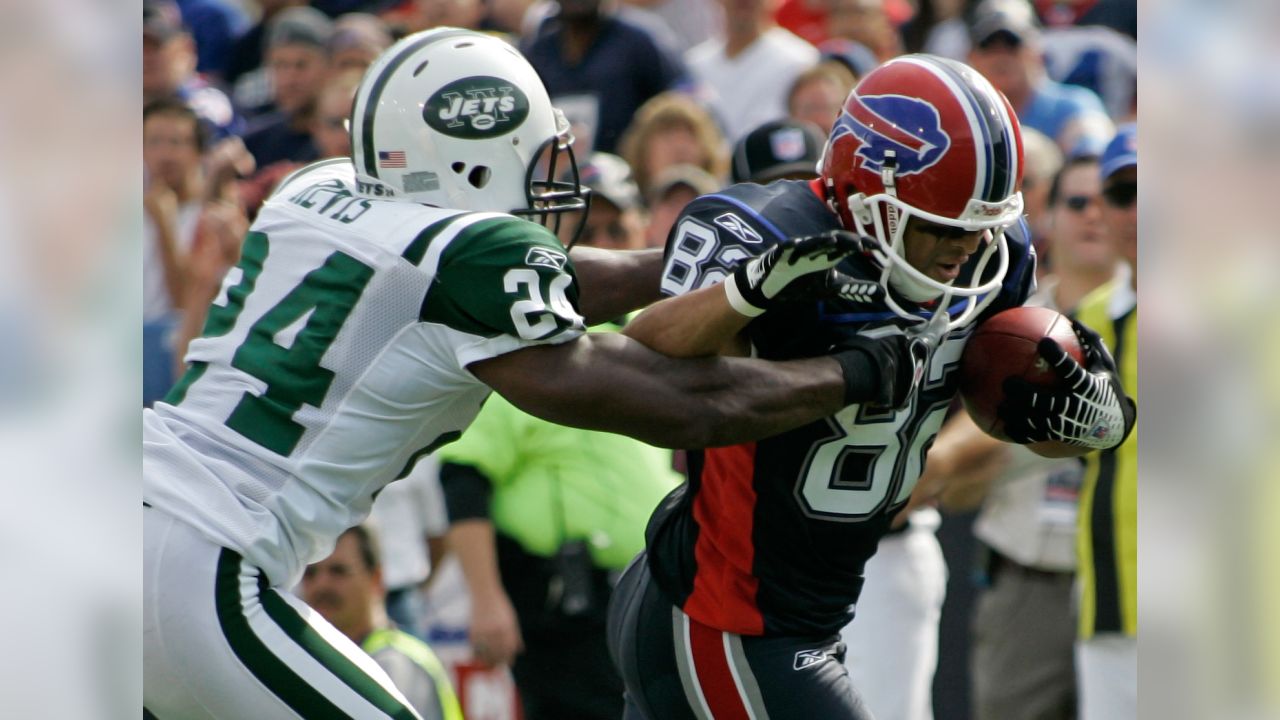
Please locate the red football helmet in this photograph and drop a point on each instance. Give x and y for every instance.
(928, 137)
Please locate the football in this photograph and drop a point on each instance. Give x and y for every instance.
(1005, 346)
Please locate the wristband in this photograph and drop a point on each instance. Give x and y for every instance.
(737, 301)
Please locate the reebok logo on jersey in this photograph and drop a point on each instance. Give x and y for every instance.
(808, 658)
(542, 257)
(740, 230)
(476, 107)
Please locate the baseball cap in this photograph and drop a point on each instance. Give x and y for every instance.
(1121, 152)
(609, 176)
(682, 175)
(1014, 20)
(778, 149)
(302, 25)
(161, 20)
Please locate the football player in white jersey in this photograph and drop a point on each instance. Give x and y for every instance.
(377, 301)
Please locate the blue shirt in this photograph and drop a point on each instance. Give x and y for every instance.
(622, 69)
(270, 139)
(215, 25)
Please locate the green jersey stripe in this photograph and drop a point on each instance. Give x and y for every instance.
(431, 262)
(297, 628)
(418, 247)
(178, 392)
(270, 670)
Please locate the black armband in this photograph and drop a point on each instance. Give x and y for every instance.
(467, 492)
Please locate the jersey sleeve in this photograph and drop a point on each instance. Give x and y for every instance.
(504, 283)
(710, 237)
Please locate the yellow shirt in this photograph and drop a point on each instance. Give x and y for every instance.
(1107, 541)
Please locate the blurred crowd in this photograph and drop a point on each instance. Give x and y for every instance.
(669, 100)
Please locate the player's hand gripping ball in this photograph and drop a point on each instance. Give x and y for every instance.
(1006, 346)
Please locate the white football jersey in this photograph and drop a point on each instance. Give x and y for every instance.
(335, 353)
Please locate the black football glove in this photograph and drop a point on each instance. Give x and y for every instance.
(793, 269)
(885, 371)
(1090, 409)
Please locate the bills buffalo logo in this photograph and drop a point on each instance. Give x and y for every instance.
(908, 126)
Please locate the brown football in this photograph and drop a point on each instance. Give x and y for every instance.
(1005, 346)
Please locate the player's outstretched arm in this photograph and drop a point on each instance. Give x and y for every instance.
(707, 321)
(612, 383)
(698, 324)
(615, 282)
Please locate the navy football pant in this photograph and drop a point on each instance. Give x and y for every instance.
(676, 668)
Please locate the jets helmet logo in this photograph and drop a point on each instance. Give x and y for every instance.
(908, 126)
(476, 107)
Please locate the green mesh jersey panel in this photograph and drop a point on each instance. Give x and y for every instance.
(504, 276)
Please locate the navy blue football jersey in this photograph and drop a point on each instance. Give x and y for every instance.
(771, 537)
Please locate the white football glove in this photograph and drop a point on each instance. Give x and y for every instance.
(760, 282)
(1090, 410)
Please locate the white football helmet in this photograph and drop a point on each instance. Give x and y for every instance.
(458, 119)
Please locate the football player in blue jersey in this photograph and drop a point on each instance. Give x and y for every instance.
(754, 565)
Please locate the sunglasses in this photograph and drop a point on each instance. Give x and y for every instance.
(1078, 203)
(1121, 194)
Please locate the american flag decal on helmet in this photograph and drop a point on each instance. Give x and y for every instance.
(391, 159)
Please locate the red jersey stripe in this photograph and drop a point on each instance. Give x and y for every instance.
(711, 665)
(724, 588)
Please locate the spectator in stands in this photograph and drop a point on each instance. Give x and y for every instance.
(691, 22)
(357, 40)
(329, 134)
(818, 94)
(172, 140)
(218, 235)
(617, 220)
(329, 129)
(867, 23)
(191, 224)
(671, 190)
(169, 70)
(346, 589)
(672, 129)
(783, 149)
(599, 69)
(215, 25)
(1041, 162)
(1005, 38)
(246, 73)
(747, 70)
(298, 63)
